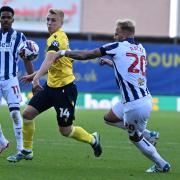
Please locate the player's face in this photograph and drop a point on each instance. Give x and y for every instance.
(54, 22)
(6, 19)
(119, 34)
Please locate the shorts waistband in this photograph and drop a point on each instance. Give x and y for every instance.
(2, 78)
(6, 78)
(70, 84)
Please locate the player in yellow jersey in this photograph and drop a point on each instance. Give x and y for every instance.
(60, 92)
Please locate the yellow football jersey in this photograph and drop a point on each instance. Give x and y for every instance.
(61, 72)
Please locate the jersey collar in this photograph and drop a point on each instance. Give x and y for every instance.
(10, 31)
(130, 40)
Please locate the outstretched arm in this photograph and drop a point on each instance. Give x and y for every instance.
(79, 55)
(28, 66)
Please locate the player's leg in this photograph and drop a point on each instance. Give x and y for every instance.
(65, 108)
(151, 136)
(12, 95)
(115, 118)
(136, 121)
(29, 126)
(80, 134)
(28, 133)
(39, 103)
(4, 143)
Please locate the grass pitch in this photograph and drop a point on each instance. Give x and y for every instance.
(60, 158)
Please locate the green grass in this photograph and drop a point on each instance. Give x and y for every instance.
(60, 158)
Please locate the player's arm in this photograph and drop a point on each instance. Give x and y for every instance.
(28, 66)
(79, 55)
(44, 68)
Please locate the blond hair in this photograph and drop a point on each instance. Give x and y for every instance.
(126, 25)
(58, 12)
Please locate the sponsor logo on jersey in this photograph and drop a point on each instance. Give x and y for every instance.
(55, 43)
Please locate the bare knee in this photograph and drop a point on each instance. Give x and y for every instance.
(106, 118)
(111, 117)
(27, 115)
(65, 131)
(30, 113)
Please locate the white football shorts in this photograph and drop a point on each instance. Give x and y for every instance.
(10, 91)
(135, 118)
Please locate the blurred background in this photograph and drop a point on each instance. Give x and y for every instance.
(90, 24)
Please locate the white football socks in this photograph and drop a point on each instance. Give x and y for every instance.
(150, 151)
(17, 126)
(3, 140)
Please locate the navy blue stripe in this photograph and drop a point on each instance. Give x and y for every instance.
(13, 108)
(8, 38)
(6, 73)
(133, 90)
(147, 143)
(0, 61)
(122, 84)
(147, 90)
(142, 92)
(23, 37)
(0, 51)
(17, 41)
(108, 48)
(130, 40)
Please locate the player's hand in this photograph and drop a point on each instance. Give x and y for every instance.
(57, 56)
(103, 61)
(36, 87)
(27, 78)
(22, 55)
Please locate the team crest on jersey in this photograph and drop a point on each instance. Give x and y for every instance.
(55, 43)
(140, 81)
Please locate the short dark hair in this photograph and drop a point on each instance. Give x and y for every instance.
(6, 8)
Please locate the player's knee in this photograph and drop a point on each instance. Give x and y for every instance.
(15, 115)
(106, 119)
(27, 115)
(135, 137)
(65, 131)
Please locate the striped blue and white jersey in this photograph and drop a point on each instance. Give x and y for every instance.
(9, 43)
(129, 61)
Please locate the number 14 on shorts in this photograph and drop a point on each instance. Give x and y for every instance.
(64, 112)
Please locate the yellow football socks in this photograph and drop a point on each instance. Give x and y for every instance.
(28, 133)
(81, 134)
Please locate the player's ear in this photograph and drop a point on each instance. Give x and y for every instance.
(62, 22)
